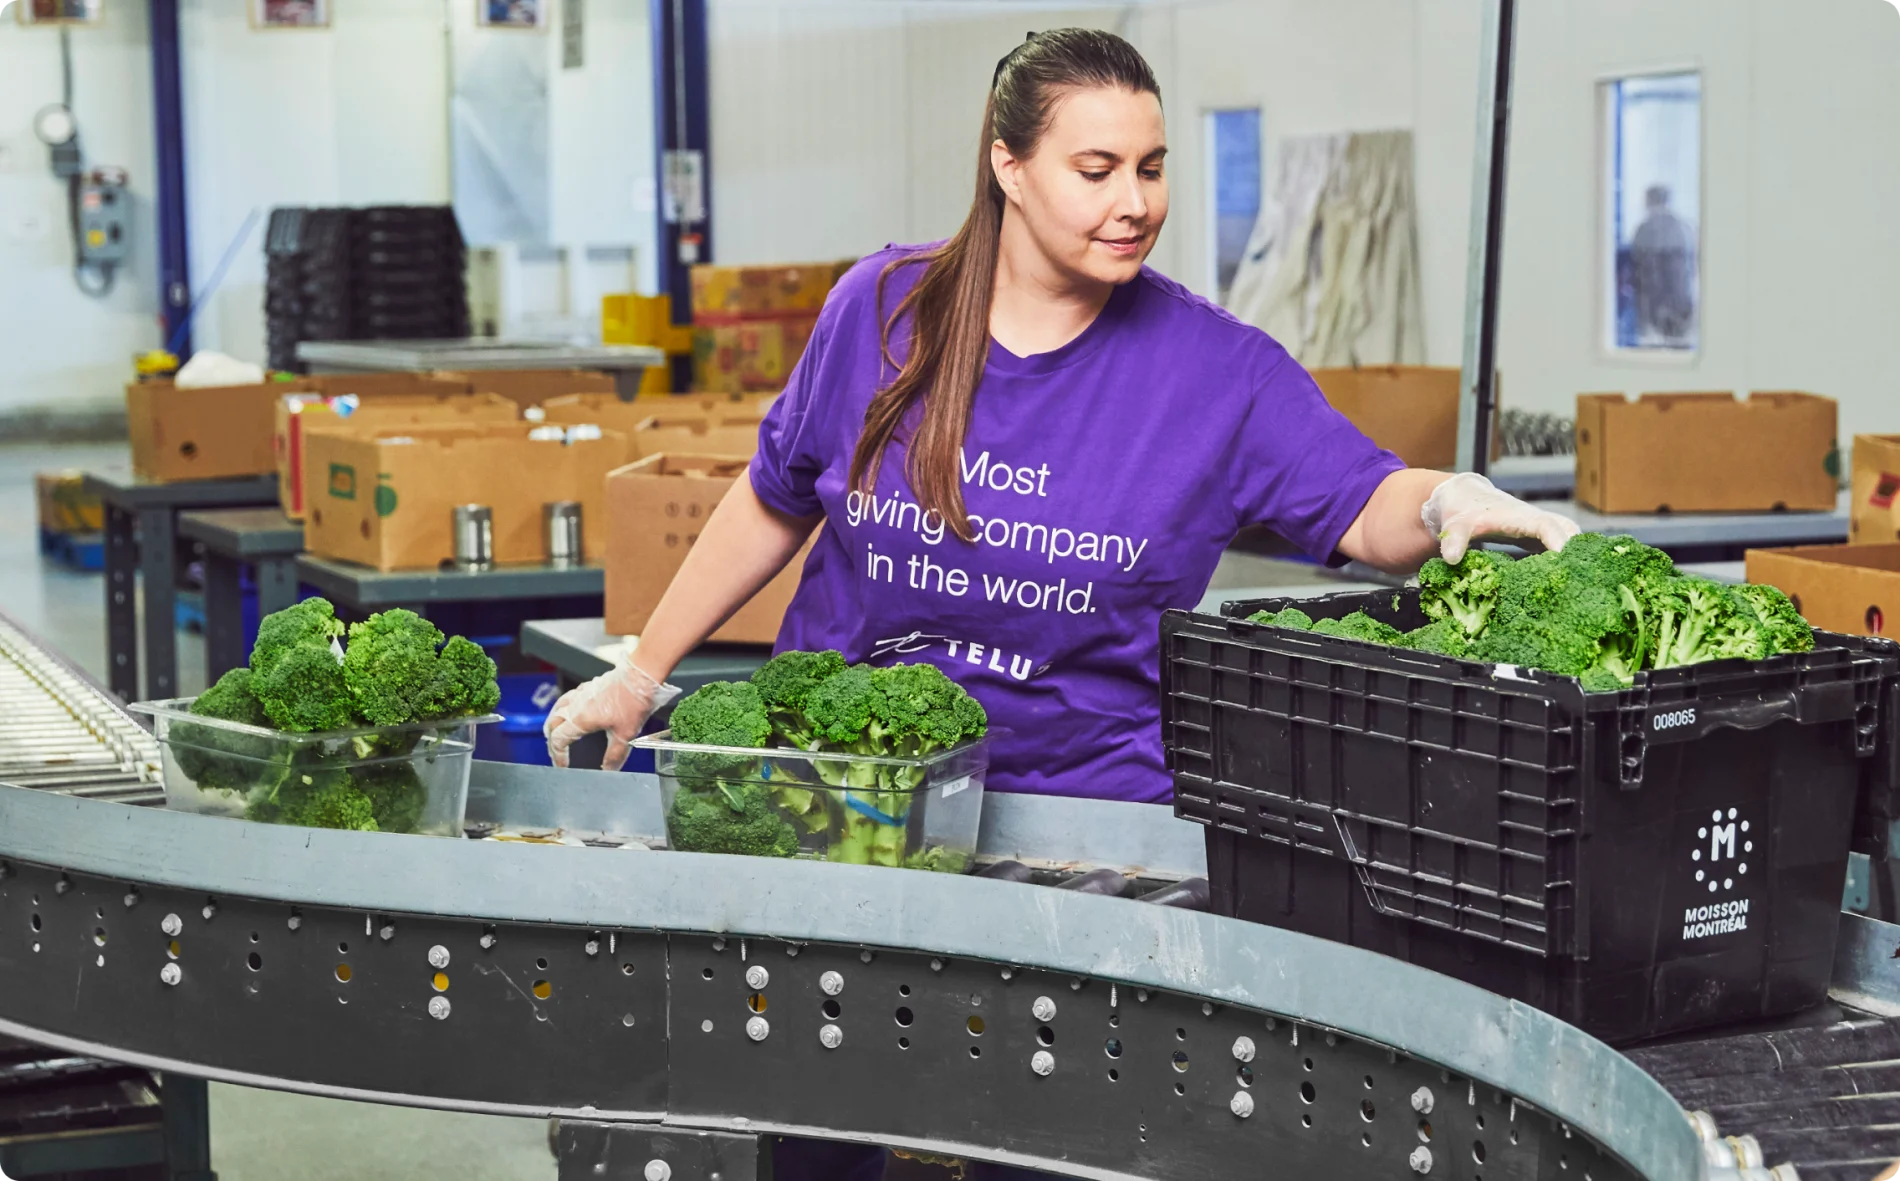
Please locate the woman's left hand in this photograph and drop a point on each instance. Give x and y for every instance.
(1468, 506)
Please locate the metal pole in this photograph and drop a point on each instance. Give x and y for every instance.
(682, 154)
(168, 106)
(1478, 399)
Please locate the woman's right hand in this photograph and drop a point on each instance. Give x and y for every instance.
(618, 701)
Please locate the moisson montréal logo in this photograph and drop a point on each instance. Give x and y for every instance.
(1721, 857)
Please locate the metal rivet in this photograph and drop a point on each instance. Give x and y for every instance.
(756, 977)
(210, 911)
(387, 933)
(131, 899)
(296, 921)
(1207, 1008)
(791, 949)
(831, 984)
(830, 1037)
(1043, 1063)
(1422, 1101)
(1141, 994)
(488, 941)
(1044, 1009)
(1421, 1159)
(593, 947)
(1243, 1049)
(62, 886)
(658, 1170)
(865, 956)
(171, 924)
(719, 945)
(171, 973)
(1332, 1039)
(438, 956)
(1009, 973)
(439, 1008)
(758, 1028)
(936, 965)
(1241, 1104)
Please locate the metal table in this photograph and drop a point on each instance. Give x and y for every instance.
(582, 649)
(1536, 477)
(1713, 537)
(262, 538)
(626, 362)
(346, 583)
(141, 544)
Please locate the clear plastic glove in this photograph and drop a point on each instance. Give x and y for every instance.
(618, 701)
(1468, 506)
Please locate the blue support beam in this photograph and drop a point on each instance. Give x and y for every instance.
(682, 154)
(168, 107)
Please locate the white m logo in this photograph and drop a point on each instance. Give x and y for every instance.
(1722, 836)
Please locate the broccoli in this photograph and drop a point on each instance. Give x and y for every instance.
(1465, 593)
(736, 818)
(1292, 617)
(396, 675)
(1566, 613)
(733, 713)
(1442, 636)
(1787, 630)
(785, 681)
(395, 793)
(1698, 620)
(297, 669)
(216, 759)
(315, 797)
(1359, 626)
(904, 711)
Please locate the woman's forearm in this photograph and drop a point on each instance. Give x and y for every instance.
(1390, 533)
(743, 545)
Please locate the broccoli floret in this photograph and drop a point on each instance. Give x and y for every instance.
(395, 793)
(396, 675)
(1443, 636)
(1466, 593)
(735, 818)
(1699, 620)
(939, 859)
(315, 797)
(217, 759)
(1786, 629)
(785, 682)
(904, 711)
(1359, 626)
(297, 669)
(720, 713)
(1292, 617)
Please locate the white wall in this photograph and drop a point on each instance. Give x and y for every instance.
(1801, 178)
(59, 347)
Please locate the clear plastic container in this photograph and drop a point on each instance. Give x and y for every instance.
(411, 779)
(907, 813)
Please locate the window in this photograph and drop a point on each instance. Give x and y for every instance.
(1233, 175)
(1653, 212)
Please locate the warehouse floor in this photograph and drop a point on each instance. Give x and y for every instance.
(263, 1135)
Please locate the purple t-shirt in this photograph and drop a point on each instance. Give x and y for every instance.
(1103, 481)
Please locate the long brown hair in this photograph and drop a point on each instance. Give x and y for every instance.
(950, 305)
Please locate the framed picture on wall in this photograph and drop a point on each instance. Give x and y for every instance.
(511, 14)
(290, 14)
(57, 12)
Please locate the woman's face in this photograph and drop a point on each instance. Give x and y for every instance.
(1094, 194)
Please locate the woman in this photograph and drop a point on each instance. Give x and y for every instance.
(1025, 445)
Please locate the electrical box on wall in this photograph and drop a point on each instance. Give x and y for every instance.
(104, 219)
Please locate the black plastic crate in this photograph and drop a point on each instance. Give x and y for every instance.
(1581, 852)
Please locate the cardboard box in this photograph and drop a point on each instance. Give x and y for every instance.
(656, 507)
(301, 414)
(202, 434)
(1410, 410)
(696, 434)
(1842, 588)
(385, 497)
(64, 504)
(1874, 499)
(1689, 453)
(531, 387)
(752, 355)
(725, 294)
(643, 319)
(384, 385)
(609, 411)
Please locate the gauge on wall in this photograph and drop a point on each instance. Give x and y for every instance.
(55, 125)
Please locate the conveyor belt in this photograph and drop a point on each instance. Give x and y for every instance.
(61, 732)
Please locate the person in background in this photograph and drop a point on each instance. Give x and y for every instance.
(1023, 446)
(1662, 259)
